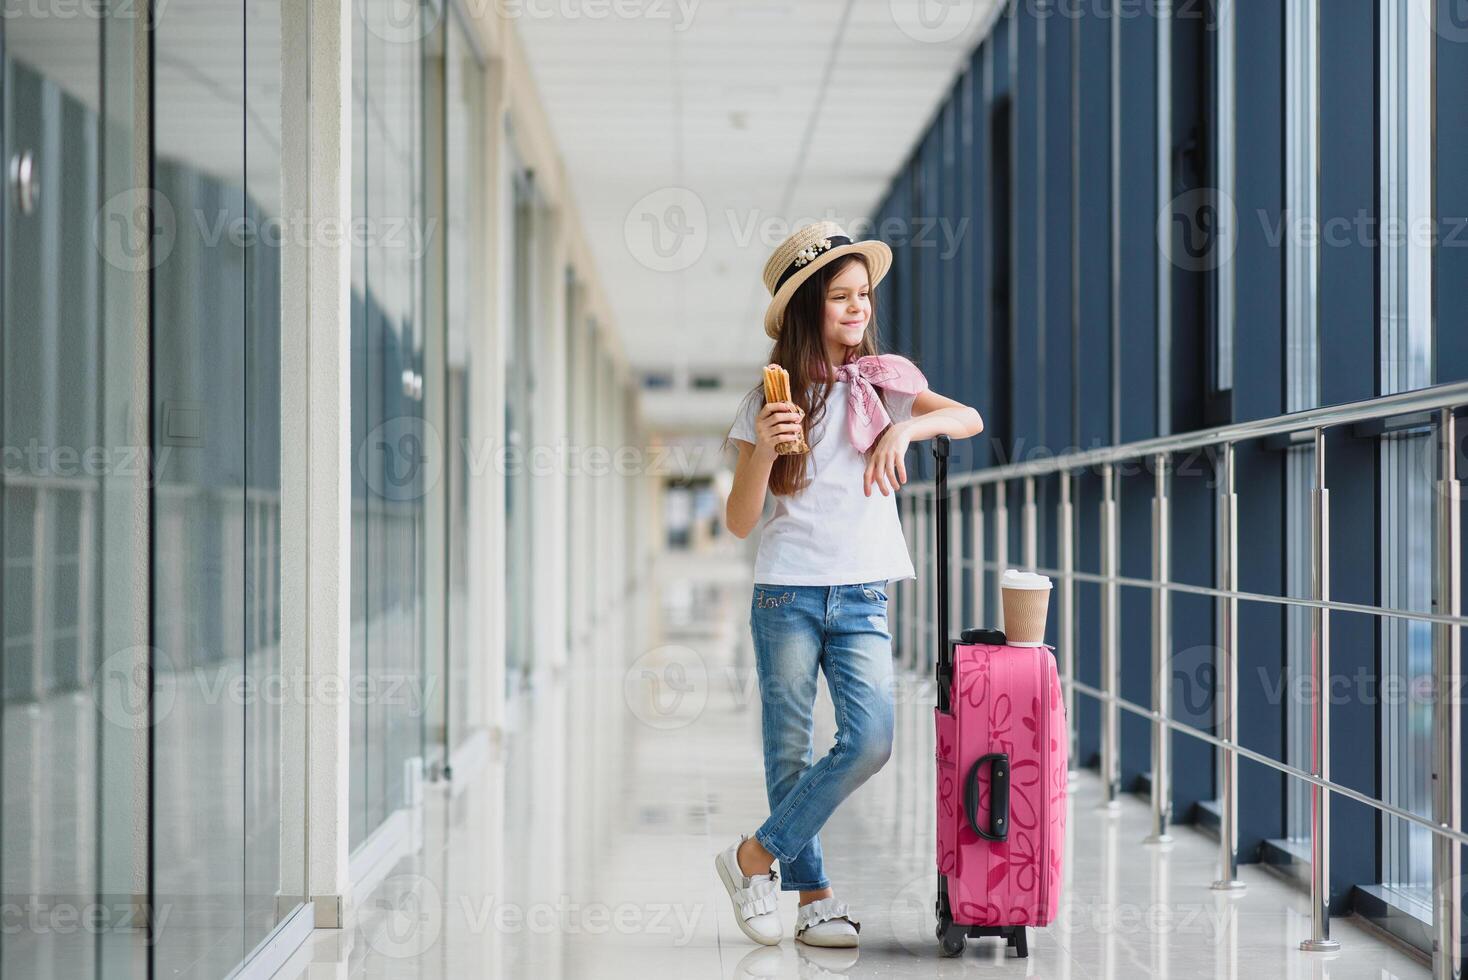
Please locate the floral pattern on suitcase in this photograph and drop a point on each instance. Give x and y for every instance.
(1006, 699)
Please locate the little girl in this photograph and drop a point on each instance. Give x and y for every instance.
(824, 561)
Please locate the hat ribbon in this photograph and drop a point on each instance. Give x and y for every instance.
(807, 255)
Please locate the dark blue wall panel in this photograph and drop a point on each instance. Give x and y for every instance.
(1450, 273)
(1059, 334)
(1137, 209)
(1026, 335)
(1258, 388)
(1093, 343)
(1348, 371)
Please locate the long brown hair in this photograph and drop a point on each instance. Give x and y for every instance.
(801, 350)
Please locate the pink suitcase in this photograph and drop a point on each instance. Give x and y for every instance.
(1001, 750)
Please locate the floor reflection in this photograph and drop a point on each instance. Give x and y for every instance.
(584, 847)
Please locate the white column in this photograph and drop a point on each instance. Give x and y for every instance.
(547, 455)
(487, 421)
(316, 497)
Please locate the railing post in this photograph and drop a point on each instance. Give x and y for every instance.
(1066, 637)
(920, 609)
(897, 607)
(914, 625)
(1228, 673)
(1320, 940)
(976, 529)
(1161, 653)
(1110, 666)
(1001, 546)
(1447, 882)
(1028, 517)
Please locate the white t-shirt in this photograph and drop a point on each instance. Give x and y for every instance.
(831, 533)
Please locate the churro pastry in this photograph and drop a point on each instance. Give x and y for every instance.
(777, 389)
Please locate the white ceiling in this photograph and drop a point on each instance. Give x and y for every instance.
(734, 121)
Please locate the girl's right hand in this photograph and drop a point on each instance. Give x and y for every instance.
(778, 422)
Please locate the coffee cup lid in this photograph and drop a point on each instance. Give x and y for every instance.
(1013, 578)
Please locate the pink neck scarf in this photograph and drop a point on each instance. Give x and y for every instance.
(866, 416)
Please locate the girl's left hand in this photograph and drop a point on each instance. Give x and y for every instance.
(886, 468)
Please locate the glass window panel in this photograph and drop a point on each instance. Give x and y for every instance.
(200, 383)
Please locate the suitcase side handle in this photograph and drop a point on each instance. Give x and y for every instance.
(998, 796)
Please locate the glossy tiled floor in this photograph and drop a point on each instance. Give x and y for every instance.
(584, 848)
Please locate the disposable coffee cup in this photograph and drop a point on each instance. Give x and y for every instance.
(1026, 602)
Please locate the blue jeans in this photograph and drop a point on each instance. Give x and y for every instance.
(798, 630)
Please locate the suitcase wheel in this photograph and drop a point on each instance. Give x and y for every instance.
(952, 937)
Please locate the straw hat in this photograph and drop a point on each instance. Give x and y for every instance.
(799, 256)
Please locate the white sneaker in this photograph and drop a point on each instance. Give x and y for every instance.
(756, 899)
(826, 922)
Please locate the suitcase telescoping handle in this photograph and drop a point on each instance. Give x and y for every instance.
(944, 663)
(998, 796)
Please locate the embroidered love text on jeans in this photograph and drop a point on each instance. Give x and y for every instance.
(767, 601)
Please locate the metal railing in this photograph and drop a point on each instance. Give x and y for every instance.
(1430, 407)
